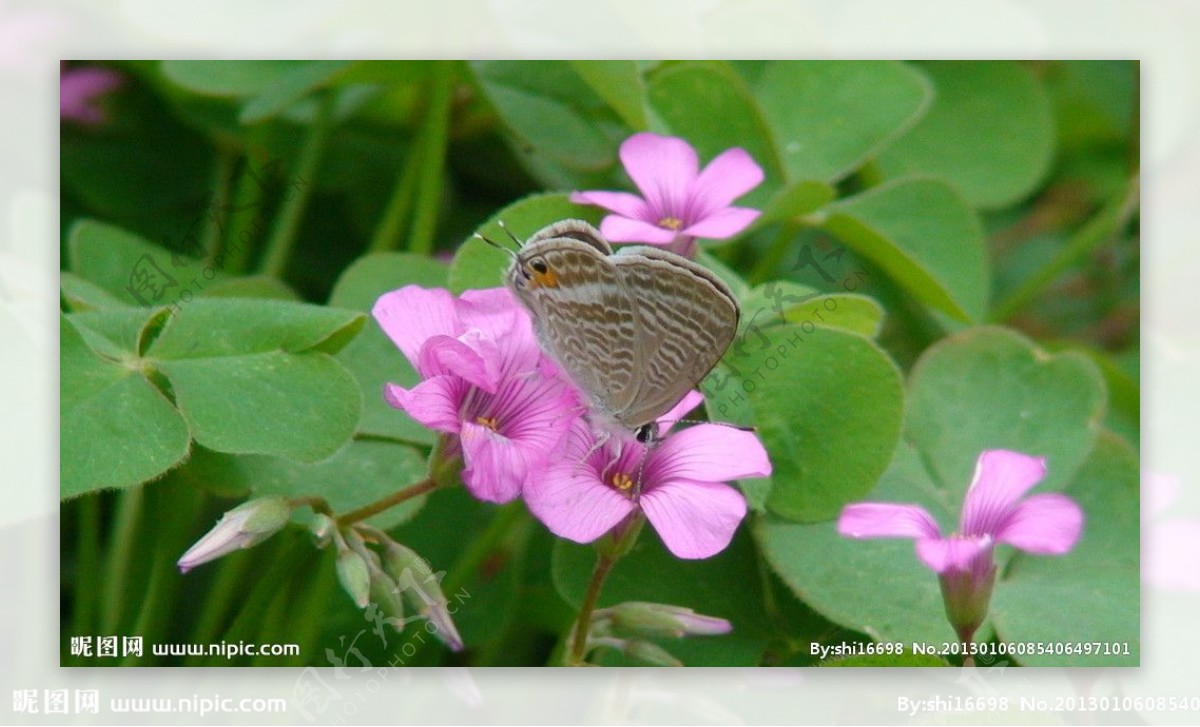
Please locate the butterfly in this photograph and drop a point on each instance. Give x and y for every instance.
(635, 330)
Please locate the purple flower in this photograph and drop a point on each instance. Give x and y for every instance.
(80, 91)
(679, 203)
(591, 487)
(484, 380)
(995, 510)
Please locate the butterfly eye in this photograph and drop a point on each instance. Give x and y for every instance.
(539, 266)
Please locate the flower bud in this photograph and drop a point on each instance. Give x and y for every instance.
(322, 527)
(662, 620)
(355, 576)
(423, 591)
(244, 526)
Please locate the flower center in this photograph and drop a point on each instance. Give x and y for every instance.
(621, 482)
(489, 422)
(671, 223)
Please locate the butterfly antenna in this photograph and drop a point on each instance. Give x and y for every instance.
(508, 232)
(496, 245)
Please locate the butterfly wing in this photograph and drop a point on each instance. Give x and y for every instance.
(685, 317)
(584, 319)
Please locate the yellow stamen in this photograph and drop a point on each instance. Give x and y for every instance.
(671, 223)
(489, 422)
(622, 482)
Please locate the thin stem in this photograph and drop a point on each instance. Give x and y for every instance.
(434, 136)
(1097, 231)
(768, 263)
(399, 207)
(226, 588)
(244, 219)
(120, 552)
(385, 503)
(604, 564)
(287, 223)
(87, 556)
(215, 220)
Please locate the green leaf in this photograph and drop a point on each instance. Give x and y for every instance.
(234, 326)
(827, 405)
(303, 406)
(229, 78)
(550, 109)
(925, 237)
(83, 295)
(620, 84)
(372, 357)
(709, 106)
(133, 270)
(291, 87)
(795, 200)
(358, 474)
(253, 286)
(827, 118)
(116, 429)
(989, 132)
(1092, 594)
(479, 265)
(851, 312)
(990, 388)
(876, 587)
(726, 585)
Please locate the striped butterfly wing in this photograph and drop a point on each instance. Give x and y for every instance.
(585, 320)
(685, 319)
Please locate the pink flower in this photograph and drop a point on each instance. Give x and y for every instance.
(589, 488)
(80, 91)
(678, 202)
(485, 380)
(993, 512)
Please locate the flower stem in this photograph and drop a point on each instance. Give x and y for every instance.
(399, 207)
(385, 503)
(287, 223)
(622, 540)
(604, 564)
(87, 586)
(769, 262)
(120, 553)
(434, 136)
(1098, 230)
(215, 220)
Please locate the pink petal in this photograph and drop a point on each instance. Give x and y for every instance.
(947, 554)
(433, 403)
(80, 90)
(495, 465)
(623, 203)
(730, 175)
(708, 453)
(886, 520)
(1047, 524)
(623, 229)
(690, 401)
(663, 168)
(493, 312)
(1001, 478)
(412, 315)
(694, 519)
(569, 498)
(723, 223)
(535, 413)
(443, 355)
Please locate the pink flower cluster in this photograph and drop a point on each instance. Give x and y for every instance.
(520, 427)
